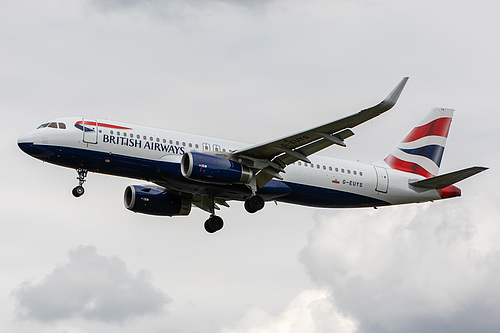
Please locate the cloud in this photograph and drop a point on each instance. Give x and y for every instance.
(311, 311)
(90, 286)
(171, 8)
(412, 268)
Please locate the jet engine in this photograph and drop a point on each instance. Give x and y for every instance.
(153, 201)
(214, 169)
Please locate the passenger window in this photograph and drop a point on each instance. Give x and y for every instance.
(360, 173)
(131, 135)
(190, 145)
(196, 146)
(150, 138)
(124, 134)
(53, 125)
(324, 167)
(62, 125)
(342, 170)
(354, 172)
(144, 137)
(299, 163)
(164, 140)
(336, 169)
(138, 136)
(118, 133)
(348, 171)
(330, 168)
(157, 139)
(111, 132)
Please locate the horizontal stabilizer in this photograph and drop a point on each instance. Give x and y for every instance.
(447, 179)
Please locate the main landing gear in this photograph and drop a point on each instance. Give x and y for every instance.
(214, 222)
(79, 190)
(254, 204)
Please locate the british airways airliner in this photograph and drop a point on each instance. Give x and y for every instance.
(191, 170)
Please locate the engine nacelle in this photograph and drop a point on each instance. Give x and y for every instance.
(153, 201)
(214, 169)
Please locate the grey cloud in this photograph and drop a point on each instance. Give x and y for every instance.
(170, 7)
(90, 286)
(410, 269)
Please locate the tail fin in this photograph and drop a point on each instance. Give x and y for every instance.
(422, 149)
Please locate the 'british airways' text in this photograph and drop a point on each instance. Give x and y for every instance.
(138, 143)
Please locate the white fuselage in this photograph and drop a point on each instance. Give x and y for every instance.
(135, 151)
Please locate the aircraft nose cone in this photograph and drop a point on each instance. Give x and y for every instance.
(24, 140)
(25, 143)
(26, 137)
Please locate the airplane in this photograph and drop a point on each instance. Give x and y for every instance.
(188, 170)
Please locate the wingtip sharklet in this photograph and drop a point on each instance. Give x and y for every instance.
(393, 97)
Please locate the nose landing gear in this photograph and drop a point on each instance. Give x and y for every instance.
(79, 190)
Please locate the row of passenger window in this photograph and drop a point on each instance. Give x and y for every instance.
(205, 146)
(214, 147)
(330, 168)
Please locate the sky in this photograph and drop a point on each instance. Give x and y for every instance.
(248, 71)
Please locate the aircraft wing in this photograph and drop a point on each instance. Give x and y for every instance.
(272, 157)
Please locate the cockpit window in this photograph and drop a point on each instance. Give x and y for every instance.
(52, 125)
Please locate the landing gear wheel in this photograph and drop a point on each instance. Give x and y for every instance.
(213, 224)
(254, 204)
(78, 191)
(82, 174)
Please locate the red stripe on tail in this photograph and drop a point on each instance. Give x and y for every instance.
(437, 127)
(397, 164)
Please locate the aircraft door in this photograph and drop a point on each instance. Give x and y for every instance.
(382, 179)
(90, 130)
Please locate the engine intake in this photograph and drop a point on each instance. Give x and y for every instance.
(214, 169)
(153, 201)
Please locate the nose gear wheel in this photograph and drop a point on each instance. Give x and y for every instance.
(79, 190)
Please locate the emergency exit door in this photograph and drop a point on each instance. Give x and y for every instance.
(382, 179)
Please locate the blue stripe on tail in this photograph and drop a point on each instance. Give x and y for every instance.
(432, 152)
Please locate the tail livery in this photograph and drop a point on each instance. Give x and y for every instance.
(422, 149)
(421, 152)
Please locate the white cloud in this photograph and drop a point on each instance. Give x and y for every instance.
(409, 268)
(311, 311)
(90, 286)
